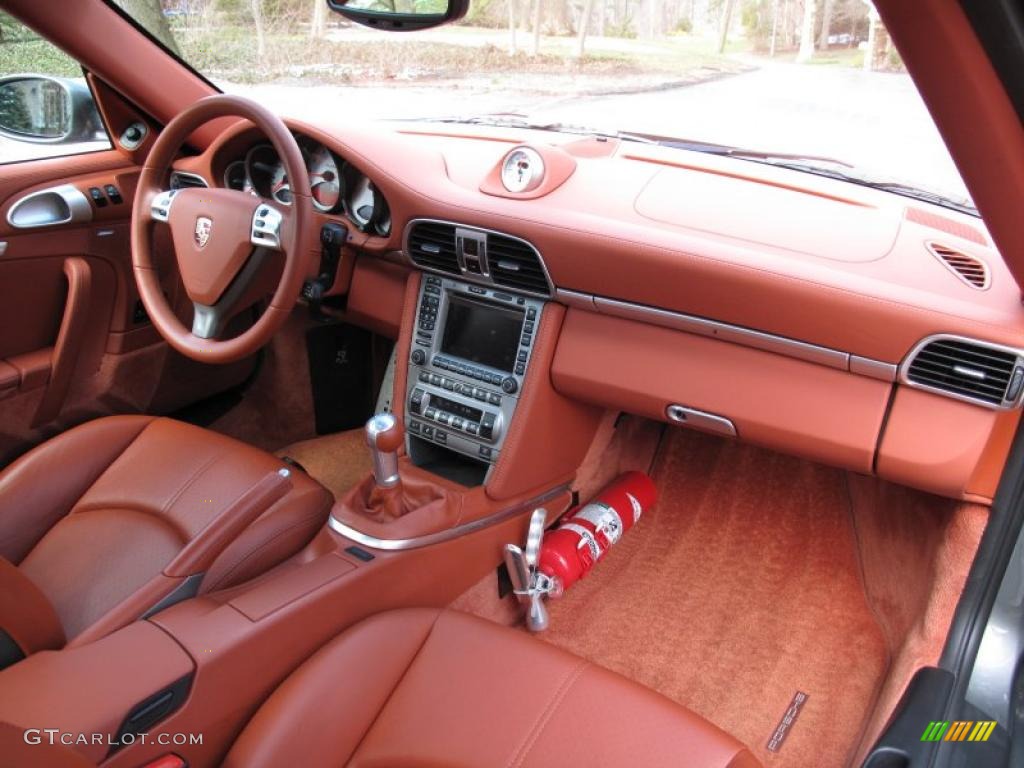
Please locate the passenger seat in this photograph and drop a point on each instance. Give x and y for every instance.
(434, 687)
(429, 687)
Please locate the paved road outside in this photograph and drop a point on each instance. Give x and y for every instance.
(875, 121)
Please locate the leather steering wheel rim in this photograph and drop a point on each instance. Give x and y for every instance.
(211, 275)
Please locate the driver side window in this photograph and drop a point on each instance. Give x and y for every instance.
(46, 107)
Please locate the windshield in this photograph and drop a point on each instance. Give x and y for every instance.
(816, 86)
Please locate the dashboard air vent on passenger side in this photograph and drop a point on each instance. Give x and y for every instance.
(181, 180)
(968, 370)
(431, 244)
(970, 269)
(516, 264)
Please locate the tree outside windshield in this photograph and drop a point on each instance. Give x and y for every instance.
(807, 77)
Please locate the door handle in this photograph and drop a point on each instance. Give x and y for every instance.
(68, 347)
(64, 204)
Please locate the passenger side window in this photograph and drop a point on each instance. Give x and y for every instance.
(46, 108)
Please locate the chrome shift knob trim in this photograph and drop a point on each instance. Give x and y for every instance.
(384, 428)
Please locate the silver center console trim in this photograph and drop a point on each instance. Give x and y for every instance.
(393, 545)
(434, 373)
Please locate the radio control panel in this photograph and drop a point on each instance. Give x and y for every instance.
(468, 361)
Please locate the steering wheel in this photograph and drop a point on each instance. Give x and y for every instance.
(221, 237)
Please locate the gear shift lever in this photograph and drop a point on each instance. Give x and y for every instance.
(384, 435)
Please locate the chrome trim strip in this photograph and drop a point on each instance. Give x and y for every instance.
(480, 279)
(575, 299)
(767, 342)
(874, 369)
(736, 334)
(1004, 406)
(394, 545)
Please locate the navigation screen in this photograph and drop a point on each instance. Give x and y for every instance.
(482, 333)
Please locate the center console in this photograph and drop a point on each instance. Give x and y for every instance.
(470, 351)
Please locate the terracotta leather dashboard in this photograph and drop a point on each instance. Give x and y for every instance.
(785, 253)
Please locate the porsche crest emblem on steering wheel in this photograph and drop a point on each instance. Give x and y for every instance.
(202, 234)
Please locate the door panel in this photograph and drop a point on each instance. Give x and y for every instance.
(110, 359)
(75, 342)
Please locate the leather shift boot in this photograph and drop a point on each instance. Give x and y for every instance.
(385, 505)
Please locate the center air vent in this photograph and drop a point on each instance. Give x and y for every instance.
(968, 370)
(431, 244)
(970, 269)
(516, 264)
(477, 255)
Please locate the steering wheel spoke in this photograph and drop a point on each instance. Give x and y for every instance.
(160, 208)
(207, 321)
(266, 227)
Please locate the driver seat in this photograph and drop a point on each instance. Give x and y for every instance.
(123, 515)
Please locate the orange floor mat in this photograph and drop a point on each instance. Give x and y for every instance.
(741, 587)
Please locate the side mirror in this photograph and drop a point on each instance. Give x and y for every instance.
(400, 15)
(48, 110)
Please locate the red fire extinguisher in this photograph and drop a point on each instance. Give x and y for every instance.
(585, 534)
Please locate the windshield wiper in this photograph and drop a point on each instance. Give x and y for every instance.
(924, 195)
(725, 150)
(517, 120)
(896, 188)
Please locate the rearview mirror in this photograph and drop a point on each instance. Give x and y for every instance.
(48, 110)
(400, 15)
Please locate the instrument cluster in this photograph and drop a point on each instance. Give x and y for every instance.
(335, 185)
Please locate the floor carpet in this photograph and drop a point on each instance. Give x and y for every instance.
(740, 588)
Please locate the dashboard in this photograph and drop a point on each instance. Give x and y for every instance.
(806, 315)
(336, 186)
